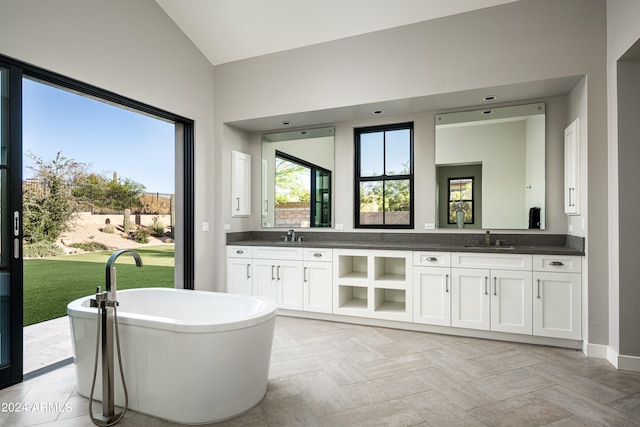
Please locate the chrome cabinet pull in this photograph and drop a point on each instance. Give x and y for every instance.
(273, 275)
(239, 251)
(248, 271)
(432, 259)
(495, 286)
(317, 255)
(556, 263)
(485, 286)
(538, 288)
(446, 283)
(305, 274)
(278, 277)
(237, 203)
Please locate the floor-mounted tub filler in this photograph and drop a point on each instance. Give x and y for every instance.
(189, 357)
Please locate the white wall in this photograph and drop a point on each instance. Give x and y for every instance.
(623, 31)
(529, 40)
(131, 48)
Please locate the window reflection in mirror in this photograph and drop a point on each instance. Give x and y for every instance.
(296, 178)
(503, 149)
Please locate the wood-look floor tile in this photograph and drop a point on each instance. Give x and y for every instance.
(322, 394)
(513, 383)
(586, 408)
(394, 366)
(629, 405)
(292, 411)
(385, 388)
(460, 392)
(357, 350)
(386, 414)
(572, 421)
(436, 410)
(506, 361)
(458, 366)
(408, 346)
(583, 385)
(521, 411)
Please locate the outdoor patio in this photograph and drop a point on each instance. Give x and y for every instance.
(46, 343)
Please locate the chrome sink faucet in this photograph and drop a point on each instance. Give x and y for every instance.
(487, 238)
(291, 235)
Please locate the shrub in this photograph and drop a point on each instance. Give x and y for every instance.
(41, 249)
(90, 246)
(157, 229)
(108, 228)
(141, 235)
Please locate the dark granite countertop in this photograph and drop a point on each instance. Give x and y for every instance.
(544, 244)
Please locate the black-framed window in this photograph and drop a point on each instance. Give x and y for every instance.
(461, 199)
(384, 176)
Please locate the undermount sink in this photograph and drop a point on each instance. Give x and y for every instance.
(492, 247)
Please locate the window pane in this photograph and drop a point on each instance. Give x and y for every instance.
(397, 151)
(461, 199)
(4, 115)
(397, 202)
(372, 154)
(371, 203)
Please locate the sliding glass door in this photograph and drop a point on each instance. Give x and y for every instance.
(10, 231)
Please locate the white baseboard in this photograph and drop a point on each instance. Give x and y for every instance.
(612, 356)
(599, 351)
(629, 363)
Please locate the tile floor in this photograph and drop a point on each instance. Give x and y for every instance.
(46, 343)
(335, 374)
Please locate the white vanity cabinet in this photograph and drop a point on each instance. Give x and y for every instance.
(239, 270)
(373, 283)
(318, 280)
(432, 288)
(572, 169)
(557, 299)
(278, 275)
(491, 292)
(240, 184)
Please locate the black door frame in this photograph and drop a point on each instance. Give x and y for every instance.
(19, 70)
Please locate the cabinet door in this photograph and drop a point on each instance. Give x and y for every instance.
(557, 305)
(470, 300)
(289, 284)
(511, 301)
(432, 300)
(264, 278)
(572, 169)
(318, 287)
(239, 276)
(240, 184)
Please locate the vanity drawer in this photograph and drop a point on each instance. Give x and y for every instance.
(432, 259)
(491, 261)
(559, 263)
(318, 254)
(239, 252)
(273, 252)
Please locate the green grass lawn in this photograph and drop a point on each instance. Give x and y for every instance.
(51, 283)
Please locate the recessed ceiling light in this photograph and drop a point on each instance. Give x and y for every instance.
(285, 123)
(489, 98)
(378, 111)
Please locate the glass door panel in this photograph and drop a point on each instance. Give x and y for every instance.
(10, 232)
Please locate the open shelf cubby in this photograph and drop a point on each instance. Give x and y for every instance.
(390, 300)
(352, 297)
(352, 267)
(390, 268)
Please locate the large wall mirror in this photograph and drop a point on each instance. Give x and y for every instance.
(490, 167)
(297, 169)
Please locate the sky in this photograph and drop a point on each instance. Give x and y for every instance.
(105, 137)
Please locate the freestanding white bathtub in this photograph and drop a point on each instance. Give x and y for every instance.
(189, 357)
